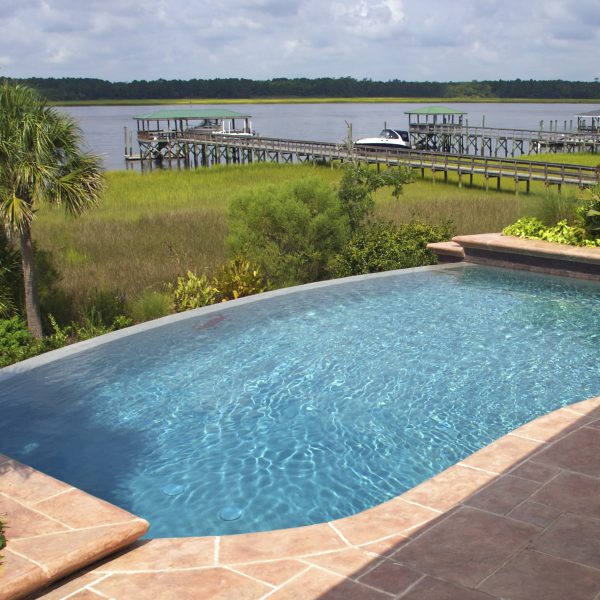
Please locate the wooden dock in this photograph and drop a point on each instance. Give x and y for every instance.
(497, 142)
(201, 150)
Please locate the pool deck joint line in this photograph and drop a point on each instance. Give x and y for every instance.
(518, 519)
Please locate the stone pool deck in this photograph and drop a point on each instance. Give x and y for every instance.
(517, 520)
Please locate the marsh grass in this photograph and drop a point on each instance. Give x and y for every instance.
(148, 230)
(151, 228)
(567, 158)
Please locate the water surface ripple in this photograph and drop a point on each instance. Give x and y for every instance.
(310, 406)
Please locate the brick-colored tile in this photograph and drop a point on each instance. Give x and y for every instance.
(65, 588)
(449, 488)
(552, 426)
(273, 545)
(386, 547)
(163, 554)
(535, 513)
(434, 589)
(78, 509)
(573, 493)
(573, 538)
(466, 547)
(534, 471)
(86, 595)
(395, 516)
(27, 485)
(349, 563)
(577, 452)
(533, 576)
(503, 454)
(316, 583)
(273, 573)
(65, 552)
(213, 584)
(24, 522)
(19, 576)
(590, 407)
(503, 494)
(391, 577)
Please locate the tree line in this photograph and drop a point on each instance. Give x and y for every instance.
(88, 89)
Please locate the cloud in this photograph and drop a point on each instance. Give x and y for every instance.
(122, 40)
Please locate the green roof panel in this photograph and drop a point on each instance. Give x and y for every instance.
(191, 114)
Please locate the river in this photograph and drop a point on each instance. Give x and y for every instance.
(103, 125)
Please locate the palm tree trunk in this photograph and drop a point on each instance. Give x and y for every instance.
(32, 301)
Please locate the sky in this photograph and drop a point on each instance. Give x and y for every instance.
(413, 40)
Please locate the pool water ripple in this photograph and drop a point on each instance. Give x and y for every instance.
(309, 406)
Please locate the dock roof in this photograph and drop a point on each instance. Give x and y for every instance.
(591, 113)
(191, 114)
(434, 110)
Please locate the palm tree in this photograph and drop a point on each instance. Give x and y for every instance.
(41, 161)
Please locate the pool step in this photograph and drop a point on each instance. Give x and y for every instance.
(447, 251)
(53, 529)
(516, 253)
(531, 255)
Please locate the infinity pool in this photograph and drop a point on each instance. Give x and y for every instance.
(307, 405)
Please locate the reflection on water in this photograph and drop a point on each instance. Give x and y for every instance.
(103, 126)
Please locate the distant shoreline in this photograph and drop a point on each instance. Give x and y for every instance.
(188, 101)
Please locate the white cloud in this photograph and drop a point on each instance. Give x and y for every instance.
(122, 40)
(369, 18)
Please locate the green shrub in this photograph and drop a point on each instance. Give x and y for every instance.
(525, 227)
(238, 278)
(151, 305)
(235, 279)
(384, 247)
(2, 539)
(94, 324)
(289, 232)
(192, 292)
(358, 184)
(16, 341)
(588, 213)
(561, 233)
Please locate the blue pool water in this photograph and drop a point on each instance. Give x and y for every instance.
(306, 406)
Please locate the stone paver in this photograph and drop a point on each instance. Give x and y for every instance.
(518, 520)
(503, 495)
(534, 575)
(467, 547)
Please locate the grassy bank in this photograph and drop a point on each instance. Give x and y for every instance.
(578, 158)
(358, 100)
(151, 228)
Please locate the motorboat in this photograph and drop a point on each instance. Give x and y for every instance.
(389, 138)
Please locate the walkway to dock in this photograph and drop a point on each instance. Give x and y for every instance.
(204, 150)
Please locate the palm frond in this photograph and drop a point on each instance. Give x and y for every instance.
(15, 212)
(80, 185)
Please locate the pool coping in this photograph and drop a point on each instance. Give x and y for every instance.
(520, 514)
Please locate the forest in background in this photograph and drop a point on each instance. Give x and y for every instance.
(73, 89)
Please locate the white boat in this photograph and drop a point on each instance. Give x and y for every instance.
(389, 138)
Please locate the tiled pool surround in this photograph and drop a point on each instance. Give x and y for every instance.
(518, 519)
